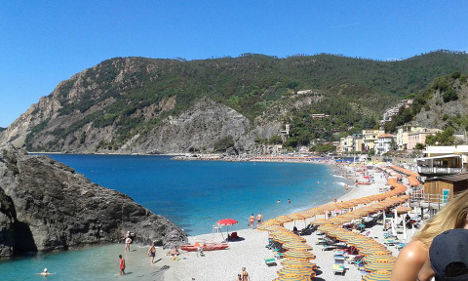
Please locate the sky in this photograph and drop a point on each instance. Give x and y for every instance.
(45, 42)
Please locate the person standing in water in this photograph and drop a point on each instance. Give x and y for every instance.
(259, 219)
(128, 241)
(278, 202)
(122, 265)
(289, 201)
(152, 252)
(251, 220)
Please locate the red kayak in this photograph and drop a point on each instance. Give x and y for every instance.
(205, 247)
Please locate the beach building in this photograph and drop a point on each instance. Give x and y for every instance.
(434, 150)
(369, 138)
(384, 144)
(442, 188)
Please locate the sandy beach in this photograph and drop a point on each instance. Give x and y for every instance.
(251, 252)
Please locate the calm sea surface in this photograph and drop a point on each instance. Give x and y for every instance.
(192, 194)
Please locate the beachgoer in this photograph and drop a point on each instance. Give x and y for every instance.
(152, 252)
(334, 199)
(239, 277)
(45, 272)
(251, 220)
(175, 251)
(289, 201)
(448, 260)
(122, 265)
(245, 275)
(128, 241)
(279, 201)
(413, 256)
(259, 219)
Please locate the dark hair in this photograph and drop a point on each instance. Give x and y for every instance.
(120, 256)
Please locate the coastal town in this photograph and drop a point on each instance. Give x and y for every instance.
(234, 140)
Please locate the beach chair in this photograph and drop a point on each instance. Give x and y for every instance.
(338, 266)
(270, 261)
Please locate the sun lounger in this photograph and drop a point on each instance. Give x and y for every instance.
(278, 255)
(339, 269)
(270, 261)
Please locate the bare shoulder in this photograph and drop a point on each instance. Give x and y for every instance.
(409, 262)
(415, 251)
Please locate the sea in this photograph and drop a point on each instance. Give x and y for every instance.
(192, 194)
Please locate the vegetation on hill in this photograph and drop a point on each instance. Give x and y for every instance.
(355, 92)
(448, 87)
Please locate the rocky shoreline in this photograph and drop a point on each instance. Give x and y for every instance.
(46, 206)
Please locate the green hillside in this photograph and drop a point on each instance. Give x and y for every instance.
(355, 91)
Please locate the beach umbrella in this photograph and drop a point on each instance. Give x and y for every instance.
(378, 266)
(297, 263)
(296, 246)
(379, 275)
(295, 270)
(292, 277)
(287, 238)
(379, 258)
(403, 209)
(227, 223)
(299, 254)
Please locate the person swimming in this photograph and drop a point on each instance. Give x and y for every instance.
(45, 272)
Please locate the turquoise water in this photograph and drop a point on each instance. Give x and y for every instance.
(193, 194)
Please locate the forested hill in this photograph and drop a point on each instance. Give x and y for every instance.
(443, 104)
(163, 105)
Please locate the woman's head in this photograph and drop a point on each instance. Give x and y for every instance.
(453, 215)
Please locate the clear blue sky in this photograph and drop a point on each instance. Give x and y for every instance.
(45, 42)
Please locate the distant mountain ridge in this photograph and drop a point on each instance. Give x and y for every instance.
(162, 105)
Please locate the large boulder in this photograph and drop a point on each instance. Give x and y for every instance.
(45, 205)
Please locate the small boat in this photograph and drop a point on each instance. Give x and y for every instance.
(204, 247)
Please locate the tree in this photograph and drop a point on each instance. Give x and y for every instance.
(442, 138)
(419, 146)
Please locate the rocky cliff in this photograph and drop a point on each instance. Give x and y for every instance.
(45, 205)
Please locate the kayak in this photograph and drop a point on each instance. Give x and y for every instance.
(205, 247)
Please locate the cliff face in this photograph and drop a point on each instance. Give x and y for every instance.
(437, 112)
(45, 205)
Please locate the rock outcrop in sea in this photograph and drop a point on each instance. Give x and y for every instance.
(45, 205)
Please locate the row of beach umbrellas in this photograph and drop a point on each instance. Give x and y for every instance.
(398, 189)
(378, 259)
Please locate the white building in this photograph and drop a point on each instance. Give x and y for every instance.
(383, 144)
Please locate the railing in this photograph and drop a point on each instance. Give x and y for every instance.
(439, 200)
(438, 170)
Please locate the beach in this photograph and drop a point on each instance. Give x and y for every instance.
(251, 252)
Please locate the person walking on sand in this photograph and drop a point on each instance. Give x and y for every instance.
(245, 275)
(122, 265)
(251, 220)
(152, 252)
